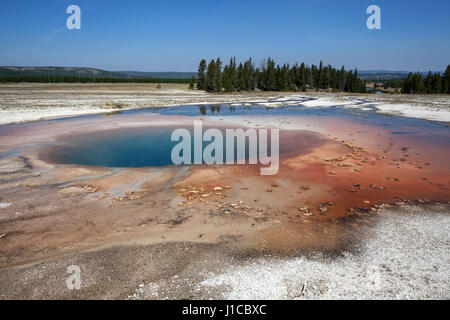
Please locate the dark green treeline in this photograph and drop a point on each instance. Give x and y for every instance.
(273, 77)
(75, 79)
(432, 83)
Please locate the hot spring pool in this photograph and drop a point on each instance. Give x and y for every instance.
(152, 146)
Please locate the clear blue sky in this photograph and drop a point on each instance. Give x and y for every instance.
(167, 35)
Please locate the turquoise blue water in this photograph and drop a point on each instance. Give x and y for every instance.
(137, 147)
(121, 148)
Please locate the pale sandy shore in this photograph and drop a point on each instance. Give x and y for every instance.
(399, 253)
(31, 102)
(403, 255)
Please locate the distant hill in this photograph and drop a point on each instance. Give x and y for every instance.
(386, 74)
(59, 71)
(8, 71)
(160, 75)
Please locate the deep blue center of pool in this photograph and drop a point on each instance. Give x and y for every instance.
(122, 148)
(139, 147)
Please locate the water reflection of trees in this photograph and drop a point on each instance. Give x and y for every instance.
(212, 109)
(217, 109)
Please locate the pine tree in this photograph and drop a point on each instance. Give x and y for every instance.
(226, 79)
(315, 76)
(218, 76)
(446, 81)
(437, 83)
(192, 83)
(201, 84)
(283, 78)
(407, 84)
(270, 76)
(210, 76)
(428, 85)
(233, 73)
(342, 79)
(418, 83)
(240, 77)
(248, 74)
(355, 81)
